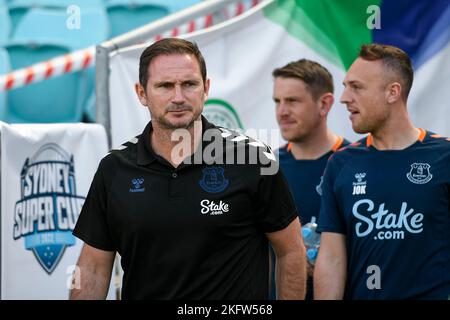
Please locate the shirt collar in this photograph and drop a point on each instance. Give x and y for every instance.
(145, 153)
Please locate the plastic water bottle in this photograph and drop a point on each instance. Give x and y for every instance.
(311, 239)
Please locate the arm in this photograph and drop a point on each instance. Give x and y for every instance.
(290, 261)
(95, 267)
(330, 272)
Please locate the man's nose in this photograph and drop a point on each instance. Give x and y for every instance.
(283, 109)
(178, 97)
(345, 97)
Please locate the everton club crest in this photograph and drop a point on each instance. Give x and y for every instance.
(420, 173)
(213, 180)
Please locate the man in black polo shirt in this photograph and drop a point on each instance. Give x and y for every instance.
(185, 204)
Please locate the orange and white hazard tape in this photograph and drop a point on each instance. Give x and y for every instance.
(194, 25)
(85, 58)
(71, 62)
(232, 10)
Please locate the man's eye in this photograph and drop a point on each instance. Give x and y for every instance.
(164, 85)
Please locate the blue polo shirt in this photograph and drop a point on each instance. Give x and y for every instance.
(393, 207)
(304, 179)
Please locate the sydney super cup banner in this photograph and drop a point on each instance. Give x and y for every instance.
(46, 171)
(48, 208)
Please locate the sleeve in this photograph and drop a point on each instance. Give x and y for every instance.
(92, 224)
(276, 208)
(330, 216)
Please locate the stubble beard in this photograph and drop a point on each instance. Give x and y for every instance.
(165, 124)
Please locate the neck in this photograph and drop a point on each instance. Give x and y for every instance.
(314, 146)
(397, 133)
(176, 145)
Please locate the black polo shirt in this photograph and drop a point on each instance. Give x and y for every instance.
(192, 232)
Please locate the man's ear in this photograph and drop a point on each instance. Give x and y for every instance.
(207, 83)
(326, 102)
(393, 92)
(140, 91)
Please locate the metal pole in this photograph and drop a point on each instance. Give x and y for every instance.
(102, 88)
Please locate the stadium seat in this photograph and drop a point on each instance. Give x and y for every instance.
(4, 68)
(180, 5)
(18, 8)
(4, 62)
(93, 30)
(5, 24)
(54, 27)
(66, 3)
(126, 15)
(53, 100)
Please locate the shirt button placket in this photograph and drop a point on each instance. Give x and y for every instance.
(174, 187)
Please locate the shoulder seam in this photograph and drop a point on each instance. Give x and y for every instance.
(240, 137)
(125, 145)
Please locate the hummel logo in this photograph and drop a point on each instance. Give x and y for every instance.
(137, 185)
(359, 187)
(360, 176)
